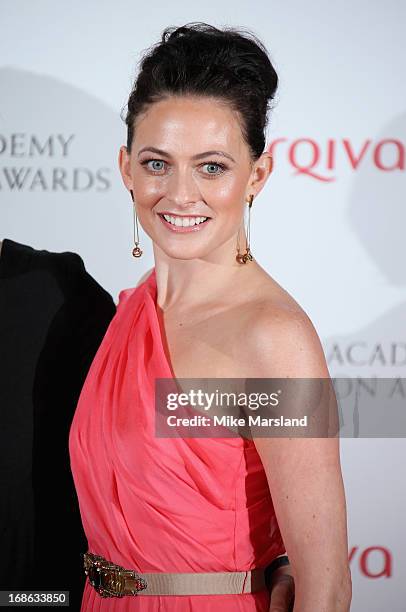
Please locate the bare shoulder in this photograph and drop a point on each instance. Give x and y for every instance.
(280, 339)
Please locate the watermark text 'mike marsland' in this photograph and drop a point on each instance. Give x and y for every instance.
(231, 421)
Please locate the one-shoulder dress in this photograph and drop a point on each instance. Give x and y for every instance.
(154, 504)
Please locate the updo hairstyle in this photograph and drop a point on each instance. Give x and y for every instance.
(201, 60)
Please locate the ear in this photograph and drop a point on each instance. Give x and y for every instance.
(124, 164)
(260, 173)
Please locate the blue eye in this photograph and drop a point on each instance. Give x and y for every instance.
(215, 165)
(154, 161)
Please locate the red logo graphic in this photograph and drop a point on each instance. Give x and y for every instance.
(321, 159)
(373, 557)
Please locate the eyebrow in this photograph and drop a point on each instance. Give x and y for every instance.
(198, 156)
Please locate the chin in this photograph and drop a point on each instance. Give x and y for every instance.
(184, 254)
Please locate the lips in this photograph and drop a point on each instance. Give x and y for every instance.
(184, 215)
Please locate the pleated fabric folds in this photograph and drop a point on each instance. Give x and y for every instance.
(162, 504)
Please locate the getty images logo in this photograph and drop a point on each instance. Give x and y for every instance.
(321, 160)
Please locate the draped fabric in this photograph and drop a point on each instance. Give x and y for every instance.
(162, 504)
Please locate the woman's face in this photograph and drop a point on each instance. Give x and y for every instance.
(189, 160)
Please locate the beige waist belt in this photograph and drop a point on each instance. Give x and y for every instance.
(111, 580)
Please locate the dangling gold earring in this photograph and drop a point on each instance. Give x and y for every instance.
(137, 252)
(247, 256)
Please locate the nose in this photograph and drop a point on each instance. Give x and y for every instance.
(182, 189)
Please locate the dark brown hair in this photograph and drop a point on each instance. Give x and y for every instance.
(200, 59)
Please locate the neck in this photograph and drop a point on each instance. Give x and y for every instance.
(184, 284)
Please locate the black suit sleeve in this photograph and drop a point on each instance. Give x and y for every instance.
(72, 341)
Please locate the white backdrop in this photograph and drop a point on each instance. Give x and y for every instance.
(329, 225)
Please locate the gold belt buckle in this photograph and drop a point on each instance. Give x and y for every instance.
(109, 579)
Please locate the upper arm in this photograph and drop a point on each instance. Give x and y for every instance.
(76, 330)
(303, 473)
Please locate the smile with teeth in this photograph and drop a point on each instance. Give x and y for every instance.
(184, 221)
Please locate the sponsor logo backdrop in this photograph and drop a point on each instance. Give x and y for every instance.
(329, 226)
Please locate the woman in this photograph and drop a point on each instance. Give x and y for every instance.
(194, 517)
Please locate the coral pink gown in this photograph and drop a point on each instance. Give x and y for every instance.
(162, 504)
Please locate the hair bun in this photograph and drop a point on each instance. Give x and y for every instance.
(200, 59)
